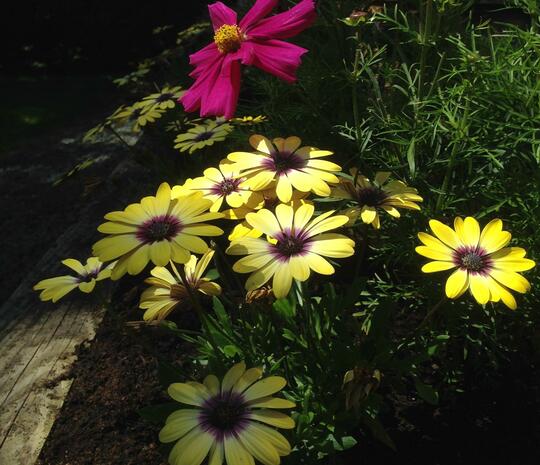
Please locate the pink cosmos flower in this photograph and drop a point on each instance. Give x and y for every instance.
(255, 40)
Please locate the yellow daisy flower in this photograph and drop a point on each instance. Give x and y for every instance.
(158, 229)
(162, 100)
(87, 275)
(296, 246)
(288, 164)
(202, 135)
(249, 120)
(168, 290)
(484, 264)
(220, 184)
(371, 197)
(233, 420)
(270, 201)
(138, 116)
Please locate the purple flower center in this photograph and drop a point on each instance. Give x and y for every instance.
(290, 244)
(203, 136)
(227, 186)
(164, 97)
(223, 414)
(159, 228)
(472, 259)
(87, 277)
(371, 196)
(283, 162)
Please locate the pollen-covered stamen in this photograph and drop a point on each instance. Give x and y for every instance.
(228, 186)
(228, 38)
(283, 162)
(472, 262)
(159, 228)
(472, 259)
(225, 413)
(370, 196)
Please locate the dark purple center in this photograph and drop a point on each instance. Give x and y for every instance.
(164, 97)
(283, 162)
(224, 414)
(86, 278)
(290, 244)
(227, 186)
(371, 196)
(159, 228)
(136, 113)
(472, 259)
(203, 136)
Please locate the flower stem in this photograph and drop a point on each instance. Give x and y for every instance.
(200, 312)
(356, 110)
(430, 314)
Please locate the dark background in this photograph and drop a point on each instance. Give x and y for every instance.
(59, 57)
(86, 36)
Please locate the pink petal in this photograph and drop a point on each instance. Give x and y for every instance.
(276, 57)
(192, 98)
(286, 24)
(204, 55)
(257, 12)
(221, 97)
(221, 14)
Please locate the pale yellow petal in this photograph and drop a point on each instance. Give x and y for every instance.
(299, 268)
(332, 245)
(138, 260)
(432, 267)
(446, 234)
(160, 253)
(284, 188)
(265, 221)
(232, 376)
(319, 264)
(479, 287)
(75, 265)
(511, 279)
(188, 394)
(235, 453)
(285, 215)
(271, 417)
(457, 284)
(282, 281)
(265, 387)
(434, 253)
(259, 448)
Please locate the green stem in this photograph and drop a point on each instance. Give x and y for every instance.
(430, 314)
(451, 161)
(355, 108)
(200, 312)
(426, 36)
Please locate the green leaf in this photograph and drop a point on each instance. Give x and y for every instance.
(427, 392)
(343, 443)
(411, 157)
(231, 350)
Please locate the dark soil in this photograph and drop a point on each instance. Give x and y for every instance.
(494, 421)
(116, 375)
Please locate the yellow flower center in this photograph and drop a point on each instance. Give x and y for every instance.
(228, 38)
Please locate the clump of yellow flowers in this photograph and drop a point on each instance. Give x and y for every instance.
(266, 192)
